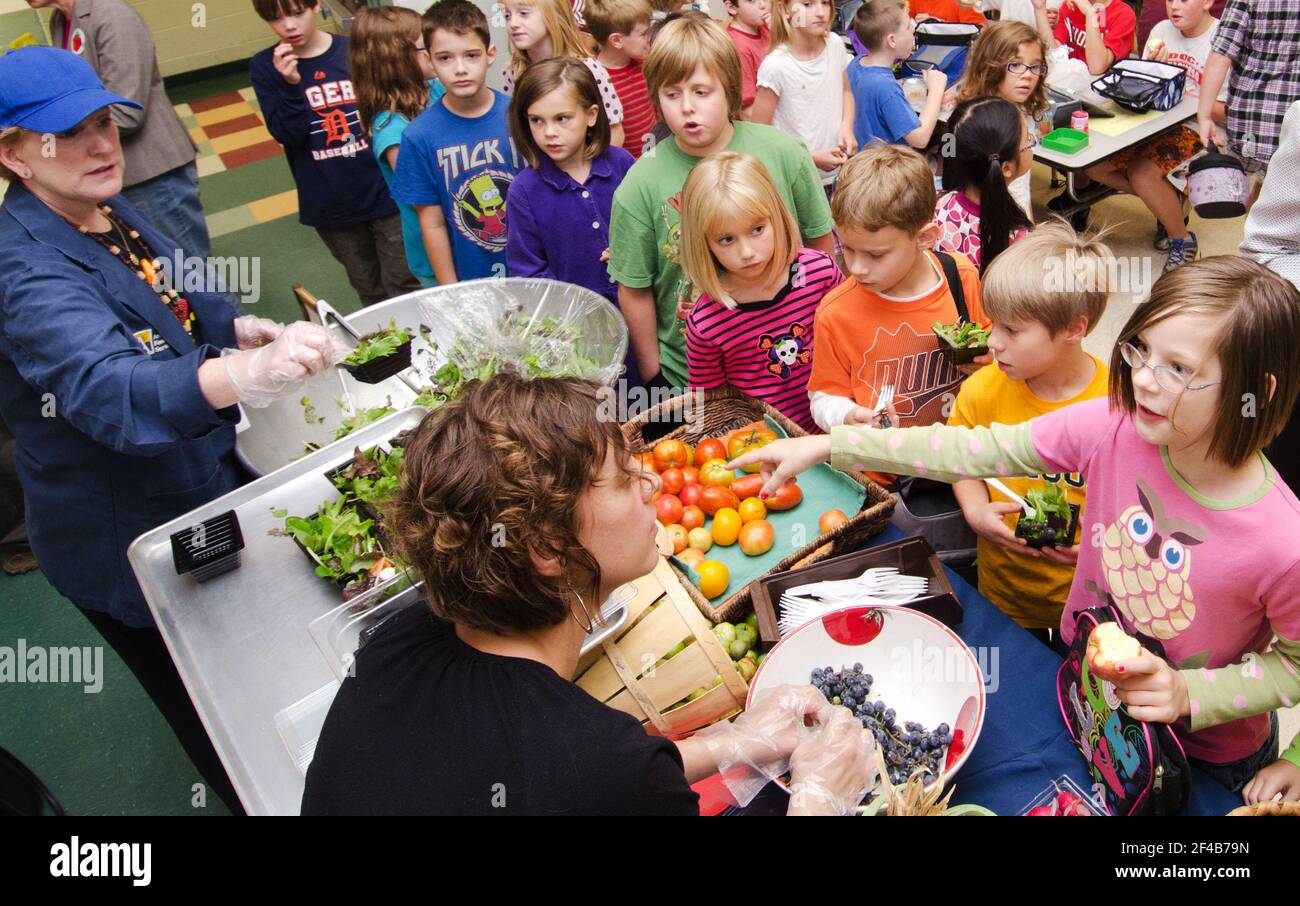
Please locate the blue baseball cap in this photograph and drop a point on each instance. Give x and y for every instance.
(49, 90)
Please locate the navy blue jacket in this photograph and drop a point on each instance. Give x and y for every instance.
(99, 385)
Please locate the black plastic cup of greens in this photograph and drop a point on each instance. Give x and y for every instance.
(1055, 522)
(380, 355)
(965, 340)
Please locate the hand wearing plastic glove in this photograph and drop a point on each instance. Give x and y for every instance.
(260, 375)
(833, 769)
(252, 331)
(755, 748)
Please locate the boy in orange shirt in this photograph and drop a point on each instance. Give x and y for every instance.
(877, 328)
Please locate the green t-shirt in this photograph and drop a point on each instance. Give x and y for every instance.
(645, 231)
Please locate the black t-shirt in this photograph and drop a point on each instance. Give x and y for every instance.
(430, 726)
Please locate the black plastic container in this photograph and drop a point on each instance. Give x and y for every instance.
(208, 549)
(962, 355)
(1064, 533)
(381, 369)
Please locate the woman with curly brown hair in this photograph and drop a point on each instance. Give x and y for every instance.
(522, 510)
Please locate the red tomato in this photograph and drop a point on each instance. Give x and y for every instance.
(668, 509)
(749, 486)
(670, 454)
(692, 517)
(787, 497)
(672, 480)
(690, 494)
(715, 498)
(710, 448)
(691, 475)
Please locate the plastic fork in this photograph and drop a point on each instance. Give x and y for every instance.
(871, 579)
(883, 401)
(1024, 505)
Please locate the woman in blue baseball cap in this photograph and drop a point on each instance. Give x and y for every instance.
(120, 391)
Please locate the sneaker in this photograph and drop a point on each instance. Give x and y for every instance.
(1161, 242)
(1181, 251)
(1062, 203)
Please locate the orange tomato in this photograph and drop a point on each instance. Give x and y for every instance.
(679, 537)
(670, 454)
(787, 497)
(715, 473)
(690, 454)
(749, 440)
(692, 517)
(830, 520)
(726, 526)
(690, 494)
(749, 486)
(756, 538)
(668, 509)
(648, 462)
(752, 509)
(690, 475)
(710, 448)
(714, 578)
(672, 481)
(713, 499)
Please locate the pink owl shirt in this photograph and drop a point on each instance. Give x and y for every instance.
(1212, 580)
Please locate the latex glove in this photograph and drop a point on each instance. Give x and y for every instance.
(755, 748)
(301, 350)
(832, 770)
(252, 331)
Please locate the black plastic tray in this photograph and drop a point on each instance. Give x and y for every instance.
(381, 369)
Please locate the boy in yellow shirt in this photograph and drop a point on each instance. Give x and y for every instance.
(1040, 316)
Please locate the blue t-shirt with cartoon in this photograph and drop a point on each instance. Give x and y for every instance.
(465, 166)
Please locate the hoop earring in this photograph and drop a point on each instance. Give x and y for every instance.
(591, 623)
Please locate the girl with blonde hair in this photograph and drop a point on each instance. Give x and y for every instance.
(752, 324)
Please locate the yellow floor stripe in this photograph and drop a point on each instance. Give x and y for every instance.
(221, 114)
(198, 134)
(275, 207)
(236, 140)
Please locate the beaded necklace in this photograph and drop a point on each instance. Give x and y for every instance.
(135, 253)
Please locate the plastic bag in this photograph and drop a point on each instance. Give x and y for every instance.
(537, 328)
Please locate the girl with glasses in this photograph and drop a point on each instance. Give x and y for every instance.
(1009, 60)
(1188, 532)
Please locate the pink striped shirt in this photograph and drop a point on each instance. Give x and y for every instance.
(763, 348)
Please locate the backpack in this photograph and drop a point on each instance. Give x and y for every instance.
(943, 46)
(929, 508)
(1141, 767)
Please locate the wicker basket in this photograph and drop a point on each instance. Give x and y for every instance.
(1267, 809)
(628, 673)
(716, 413)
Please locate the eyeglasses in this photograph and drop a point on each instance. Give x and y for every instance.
(1015, 67)
(419, 49)
(1166, 378)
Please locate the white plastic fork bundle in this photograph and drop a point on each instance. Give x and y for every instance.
(876, 586)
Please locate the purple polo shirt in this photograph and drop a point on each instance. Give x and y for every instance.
(558, 227)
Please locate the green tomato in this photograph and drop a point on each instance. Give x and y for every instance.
(676, 649)
(752, 620)
(746, 633)
(725, 632)
(737, 649)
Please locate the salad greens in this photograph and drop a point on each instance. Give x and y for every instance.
(361, 419)
(1048, 501)
(1052, 517)
(963, 334)
(379, 345)
(341, 541)
(371, 477)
